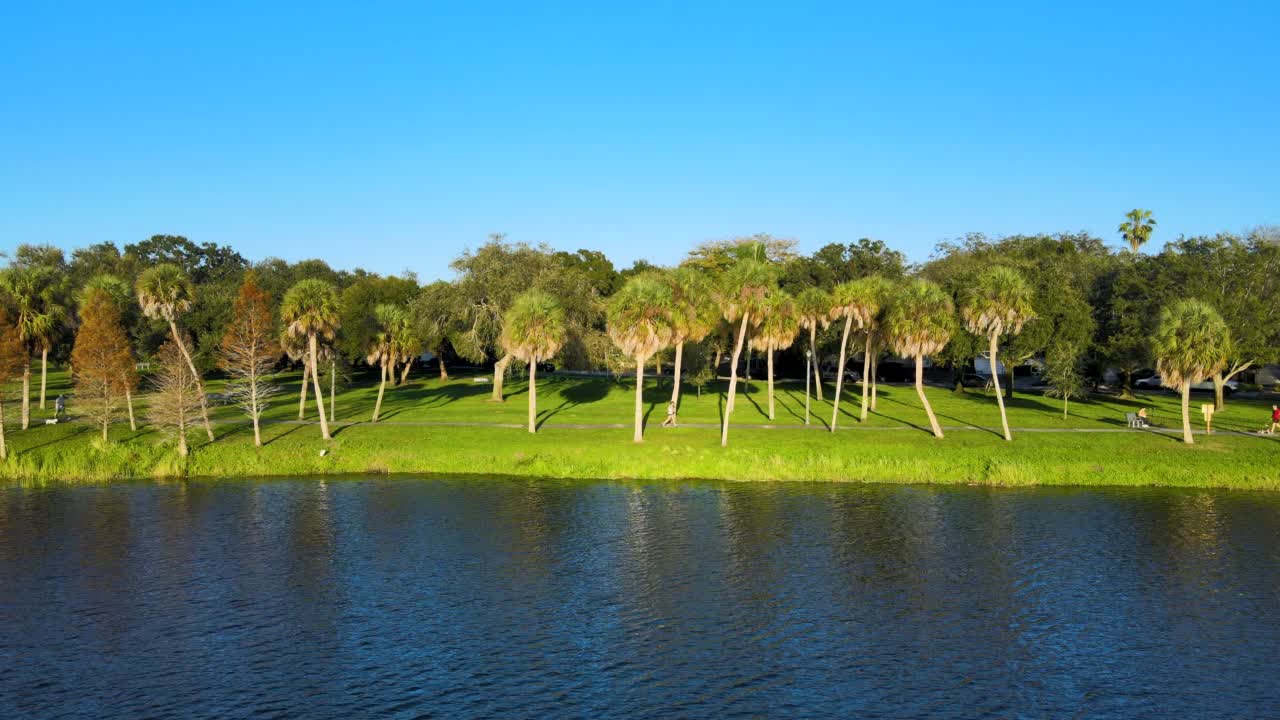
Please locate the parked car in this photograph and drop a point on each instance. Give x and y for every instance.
(1153, 382)
(850, 375)
(975, 380)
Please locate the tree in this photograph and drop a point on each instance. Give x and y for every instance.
(176, 400)
(384, 348)
(1064, 373)
(1190, 344)
(533, 331)
(919, 322)
(639, 322)
(813, 307)
(13, 358)
(692, 317)
(102, 367)
(34, 291)
(165, 292)
(311, 309)
(743, 291)
(435, 316)
(250, 352)
(1138, 228)
(779, 325)
(858, 301)
(998, 304)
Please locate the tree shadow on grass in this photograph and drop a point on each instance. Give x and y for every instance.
(293, 429)
(586, 391)
(80, 430)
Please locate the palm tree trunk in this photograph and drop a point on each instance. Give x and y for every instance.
(315, 382)
(333, 379)
(770, 351)
(808, 379)
(302, 394)
(404, 376)
(1219, 393)
(44, 372)
(813, 350)
(1186, 414)
(639, 431)
(128, 398)
(26, 395)
(675, 376)
(995, 381)
(875, 383)
(866, 371)
(382, 386)
(733, 381)
(933, 421)
(4, 449)
(715, 369)
(844, 345)
(204, 401)
(499, 373)
(533, 394)
(444, 374)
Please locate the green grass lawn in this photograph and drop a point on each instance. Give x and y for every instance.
(893, 446)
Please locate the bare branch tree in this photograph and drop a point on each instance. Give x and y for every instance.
(175, 407)
(249, 354)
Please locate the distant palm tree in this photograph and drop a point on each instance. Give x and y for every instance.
(165, 293)
(1190, 344)
(858, 302)
(999, 303)
(692, 317)
(743, 291)
(1137, 231)
(639, 320)
(384, 350)
(813, 307)
(778, 328)
(311, 309)
(919, 322)
(533, 330)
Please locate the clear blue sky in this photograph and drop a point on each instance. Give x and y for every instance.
(393, 138)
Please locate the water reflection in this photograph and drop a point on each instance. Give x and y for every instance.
(529, 599)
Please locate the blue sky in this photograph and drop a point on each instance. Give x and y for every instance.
(392, 137)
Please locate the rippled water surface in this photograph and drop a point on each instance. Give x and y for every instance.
(459, 599)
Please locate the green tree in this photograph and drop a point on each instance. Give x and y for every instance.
(779, 325)
(998, 304)
(1064, 373)
(165, 292)
(859, 303)
(744, 289)
(311, 309)
(692, 317)
(384, 348)
(1137, 228)
(35, 293)
(533, 331)
(639, 322)
(813, 306)
(919, 321)
(1190, 344)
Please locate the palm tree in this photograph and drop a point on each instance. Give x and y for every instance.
(1137, 231)
(692, 318)
(812, 308)
(859, 302)
(384, 349)
(778, 328)
(165, 293)
(296, 349)
(639, 319)
(533, 331)
(1190, 344)
(38, 317)
(743, 291)
(999, 303)
(920, 322)
(311, 309)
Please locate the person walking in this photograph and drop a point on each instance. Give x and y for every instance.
(671, 415)
(59, 407)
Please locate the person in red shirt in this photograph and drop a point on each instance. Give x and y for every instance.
(1275, 419)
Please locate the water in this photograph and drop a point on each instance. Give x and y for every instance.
(468, 599)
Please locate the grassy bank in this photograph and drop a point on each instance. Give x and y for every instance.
(890, 447)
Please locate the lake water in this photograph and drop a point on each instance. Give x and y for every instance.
(464, 599)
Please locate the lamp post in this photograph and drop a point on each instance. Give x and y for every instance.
(808, 376)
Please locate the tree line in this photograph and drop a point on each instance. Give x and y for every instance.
(1204, 307)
